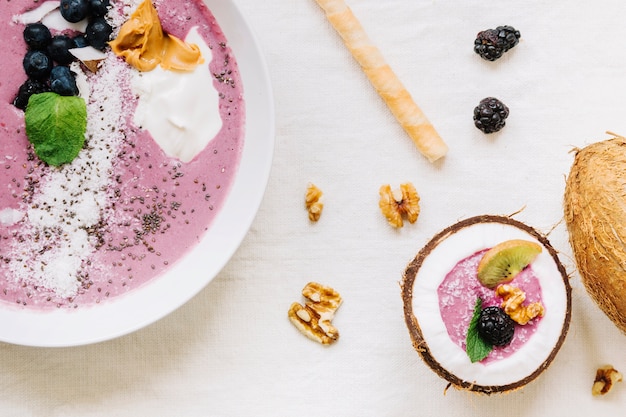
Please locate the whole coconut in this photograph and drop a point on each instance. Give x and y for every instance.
(595, 213)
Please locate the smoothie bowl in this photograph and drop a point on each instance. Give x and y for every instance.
(132, 169)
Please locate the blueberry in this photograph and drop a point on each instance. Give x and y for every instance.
(99, 7)
(79, 41)
(37, 64)
(37, 36)
(63, 81)
(27, 89)
(98, 32)
(59, 50)
(74, 10)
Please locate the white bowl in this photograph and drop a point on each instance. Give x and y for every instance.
(167, 292)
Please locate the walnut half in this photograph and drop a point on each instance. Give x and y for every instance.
(313, 202)
(606, 377)
(512, 299)
(314, 318)
(398, 203)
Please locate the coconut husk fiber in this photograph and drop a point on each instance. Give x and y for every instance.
(595, 214)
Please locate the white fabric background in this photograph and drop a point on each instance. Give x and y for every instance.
(231, 350)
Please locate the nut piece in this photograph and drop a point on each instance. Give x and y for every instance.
(314, 318)
(512, 299)
(606, 376)
(89, 56)
(92, 66)
(313, 203)
(395, 204)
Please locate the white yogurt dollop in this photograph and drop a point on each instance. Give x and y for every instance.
(179, 109)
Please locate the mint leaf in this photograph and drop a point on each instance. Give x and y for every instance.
(477, 349)
(56, 126)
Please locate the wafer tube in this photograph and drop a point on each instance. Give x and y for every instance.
(384, 80)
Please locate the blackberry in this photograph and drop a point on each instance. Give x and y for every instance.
(495, 326)
(27, 89)
(491, 44)
(490, 115)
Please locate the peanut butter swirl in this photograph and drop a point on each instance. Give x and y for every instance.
(144, 45)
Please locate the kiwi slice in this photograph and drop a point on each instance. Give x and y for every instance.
(504, 261)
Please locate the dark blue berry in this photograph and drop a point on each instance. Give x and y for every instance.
(99, 7)
(98, 32)
(37, 64)
(74, 10)
(495, 326)
(59, 49)
(63, 81)
(79, 41)
(37, 36)
(27, 89)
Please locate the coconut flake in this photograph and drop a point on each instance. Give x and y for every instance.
(72, 200)
(82, 81)
(89, 56)
(36, 15)
(10, 216)
(55, 21)
(50, 15)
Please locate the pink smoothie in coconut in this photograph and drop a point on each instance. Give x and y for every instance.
(126, 208)
(458, 294)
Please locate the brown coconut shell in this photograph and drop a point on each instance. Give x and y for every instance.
(413, 324)
(595, 214)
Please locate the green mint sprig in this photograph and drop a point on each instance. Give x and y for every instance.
(477, 349)
(56, 126)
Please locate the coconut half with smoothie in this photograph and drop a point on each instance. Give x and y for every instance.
(487, 304)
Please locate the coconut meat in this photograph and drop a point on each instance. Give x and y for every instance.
(425, 302)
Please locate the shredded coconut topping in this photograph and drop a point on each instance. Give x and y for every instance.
(61, 222)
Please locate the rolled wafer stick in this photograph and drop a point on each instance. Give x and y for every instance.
(384, 80)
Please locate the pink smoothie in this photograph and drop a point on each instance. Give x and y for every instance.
(153, 208)
(457, 297)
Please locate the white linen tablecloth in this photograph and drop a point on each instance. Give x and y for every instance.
(231, 351)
